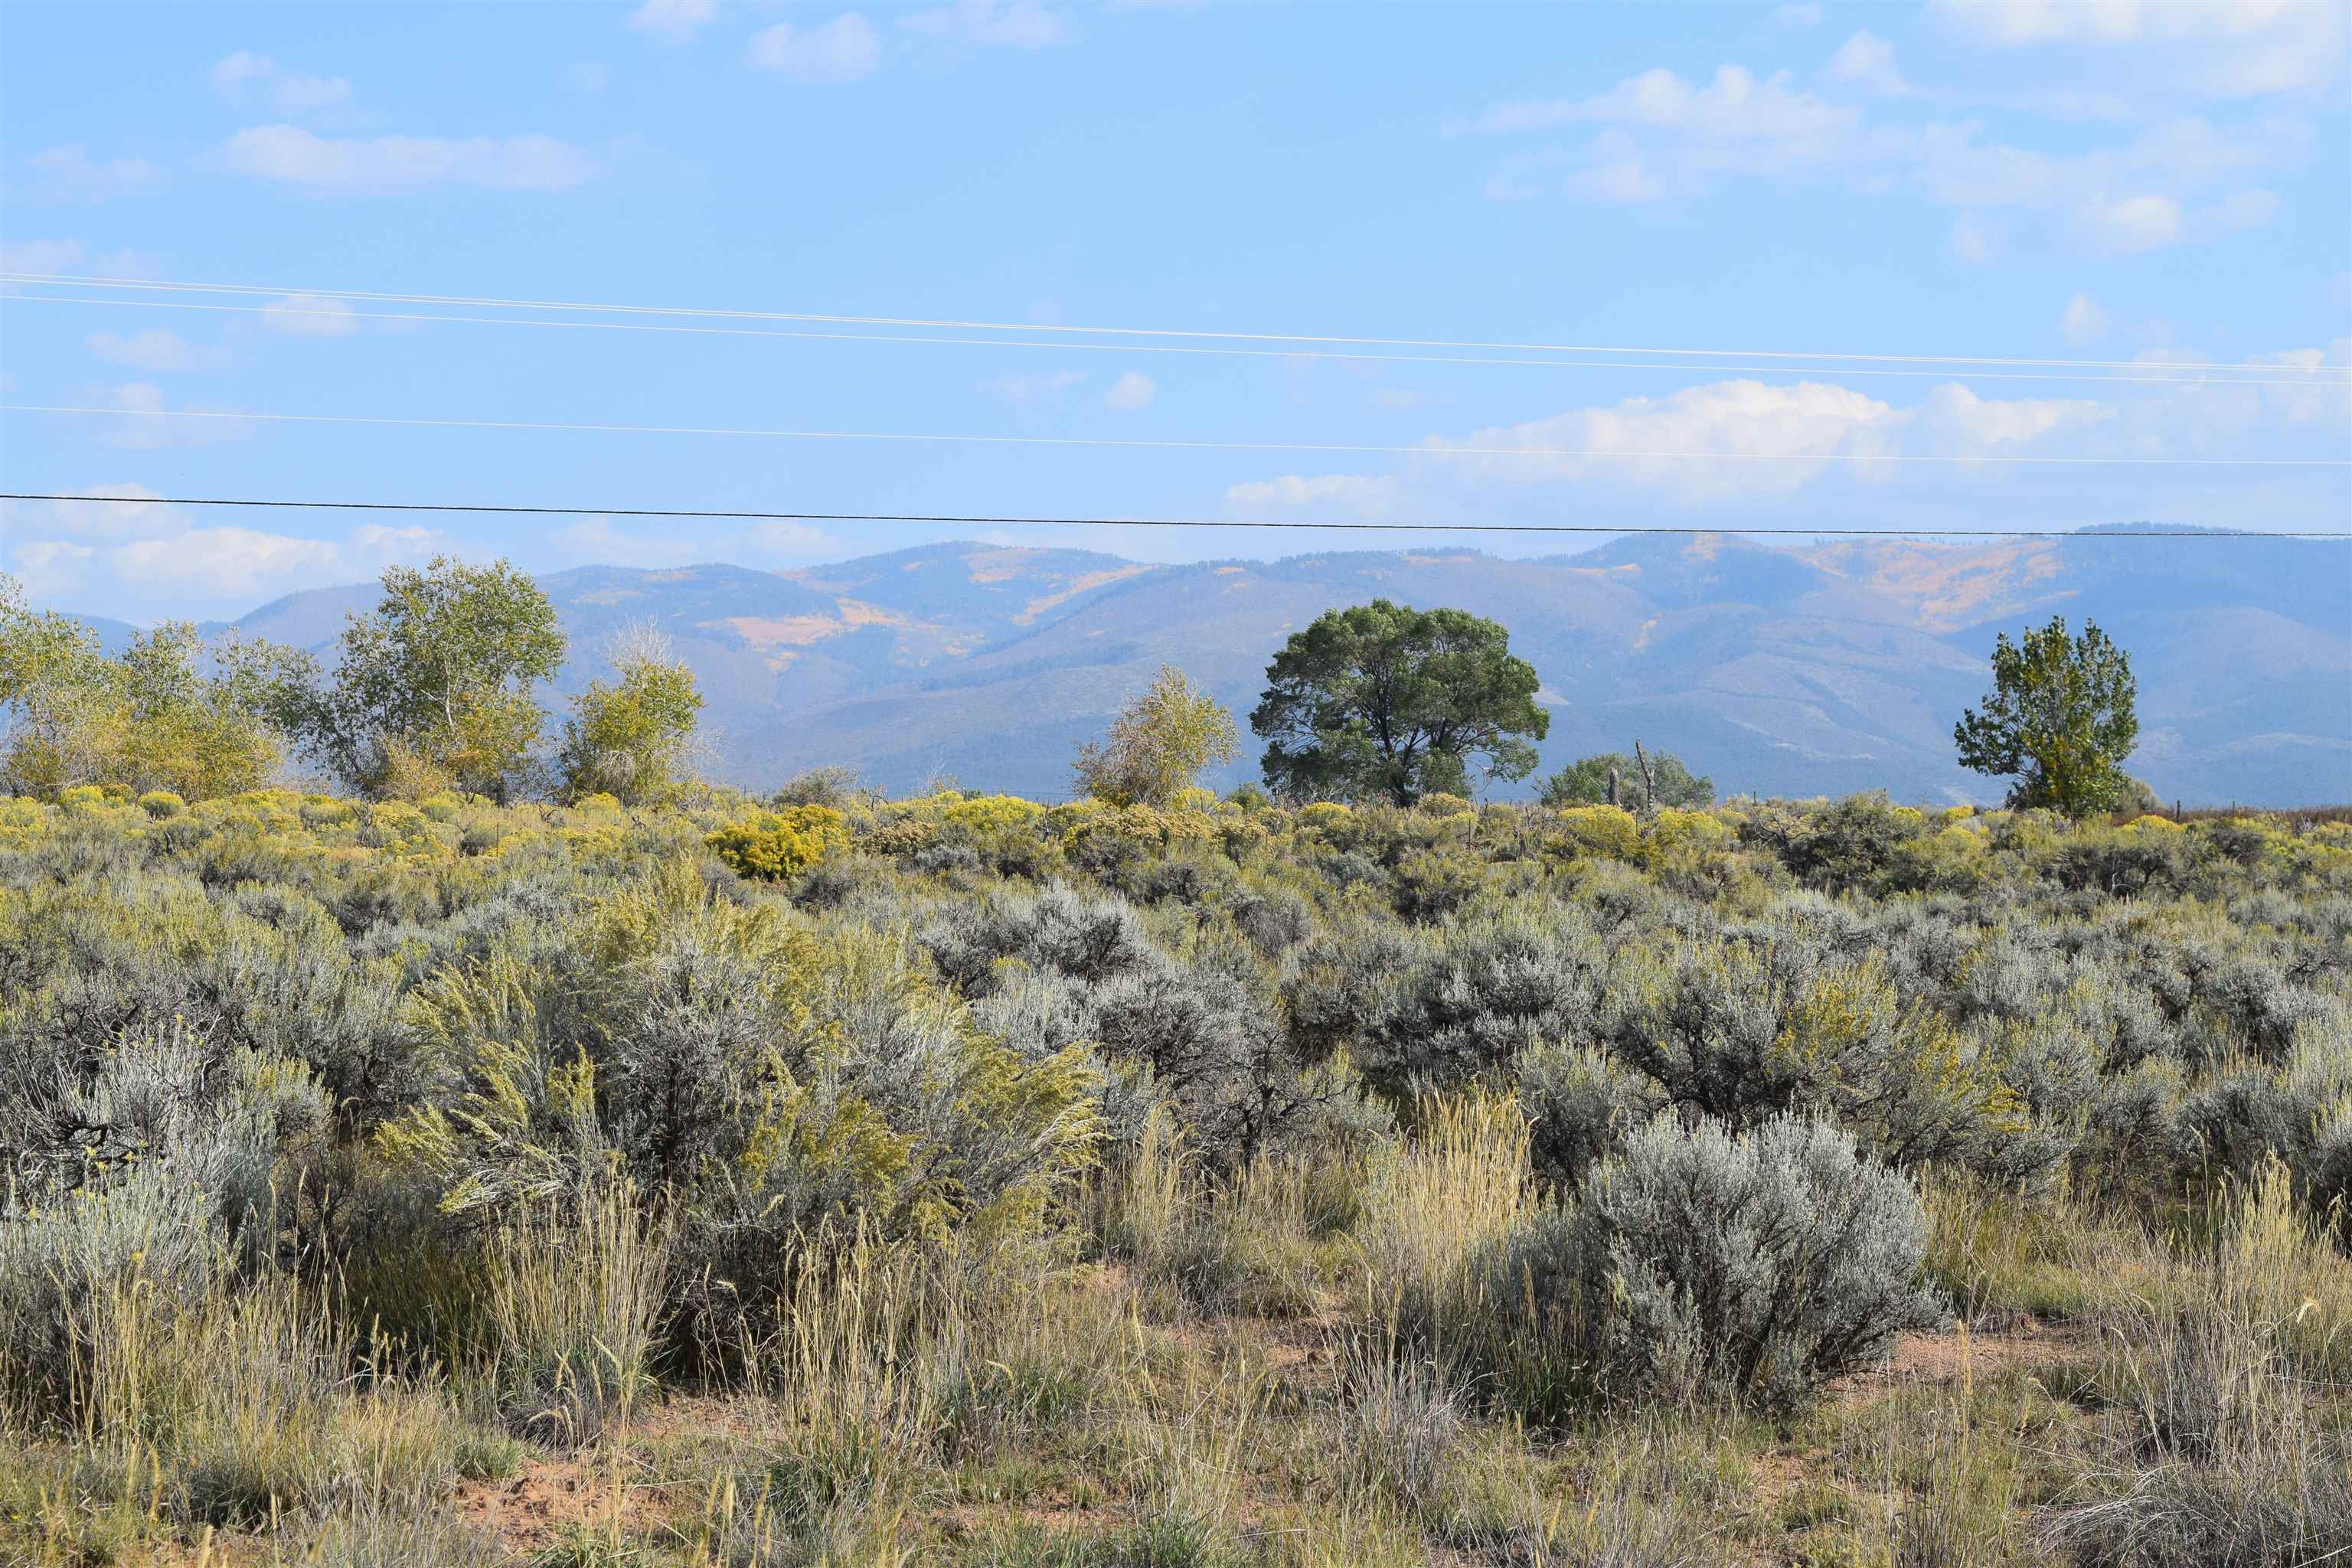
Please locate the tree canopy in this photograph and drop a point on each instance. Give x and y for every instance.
(628, 738)
(1162, 741)
(172, 711)
(1669, 782)
(434, 686)
(2059, 719)
(1382, 700)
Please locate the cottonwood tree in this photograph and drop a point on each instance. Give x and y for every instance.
(172, 711)
(2059, 719)
(1384, 702)
(1161, 743)
(434, 688)
(631, 737)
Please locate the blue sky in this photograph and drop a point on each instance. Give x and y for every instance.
(2116, 183)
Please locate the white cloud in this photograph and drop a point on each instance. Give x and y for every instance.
(158, 349)
(2085, 320)
(844, 50)
(1867, 61)
(1023, 24)
(1618, 175)
(68, 174)
(132, 541)
(60, 256)
(1031, 388)
(2328, 395)
(779, 537)
(672, 21)
(375, 542)
(1773, 440)
(596, 540)
(309, 316)
(2229, 48)
(115, 511)
(155, 430)
(1804, 16)
(47, 567)
(1660, 137)
(245, 78)
(590, 76)
(1744, 417)
(1134, 390)
(300, 157)
(1364, 494)
(225, 560)
(1735, 106)
(1955, 422)
(2134, 223)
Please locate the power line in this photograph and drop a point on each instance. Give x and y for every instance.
(347, 314)
(495, 302)
(747, 516)
(1138, 442)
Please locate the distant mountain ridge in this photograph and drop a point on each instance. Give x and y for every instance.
(1818, 668)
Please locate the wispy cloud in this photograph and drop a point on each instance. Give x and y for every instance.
(1019, 23)
(672, 21)
(2223, 48)
(1867, 61)
(247, 77)
(224, 560)
(1132, 390)
(296, 156)
(1355, 495)
(67, 173)
(1778, 439)
(2086, 320)
(846, 49)
(309, 316)
(150, 428)
(1035, 386)
(1658, 137)
(157, 349)
(70, 256)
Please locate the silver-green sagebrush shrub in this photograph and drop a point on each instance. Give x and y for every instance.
(762, 1081)
(1743, 1032)
(1704, 1265)
(1478, 995)
(141, 1189)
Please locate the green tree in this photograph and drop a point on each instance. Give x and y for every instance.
(1586, 783)
(1385, 700)
(630, 738)
(434, 686)
(2059, 719)
(172, 711)
(1162, 741)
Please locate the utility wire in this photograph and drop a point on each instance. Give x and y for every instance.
(152, 285)
(746, 516)
(1582, 453)
(347, 314)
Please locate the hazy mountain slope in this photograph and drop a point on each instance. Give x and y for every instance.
(1815, 669)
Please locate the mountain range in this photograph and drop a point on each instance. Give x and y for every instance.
(1820, 667)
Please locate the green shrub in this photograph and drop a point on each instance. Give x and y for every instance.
(1754, 1267)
